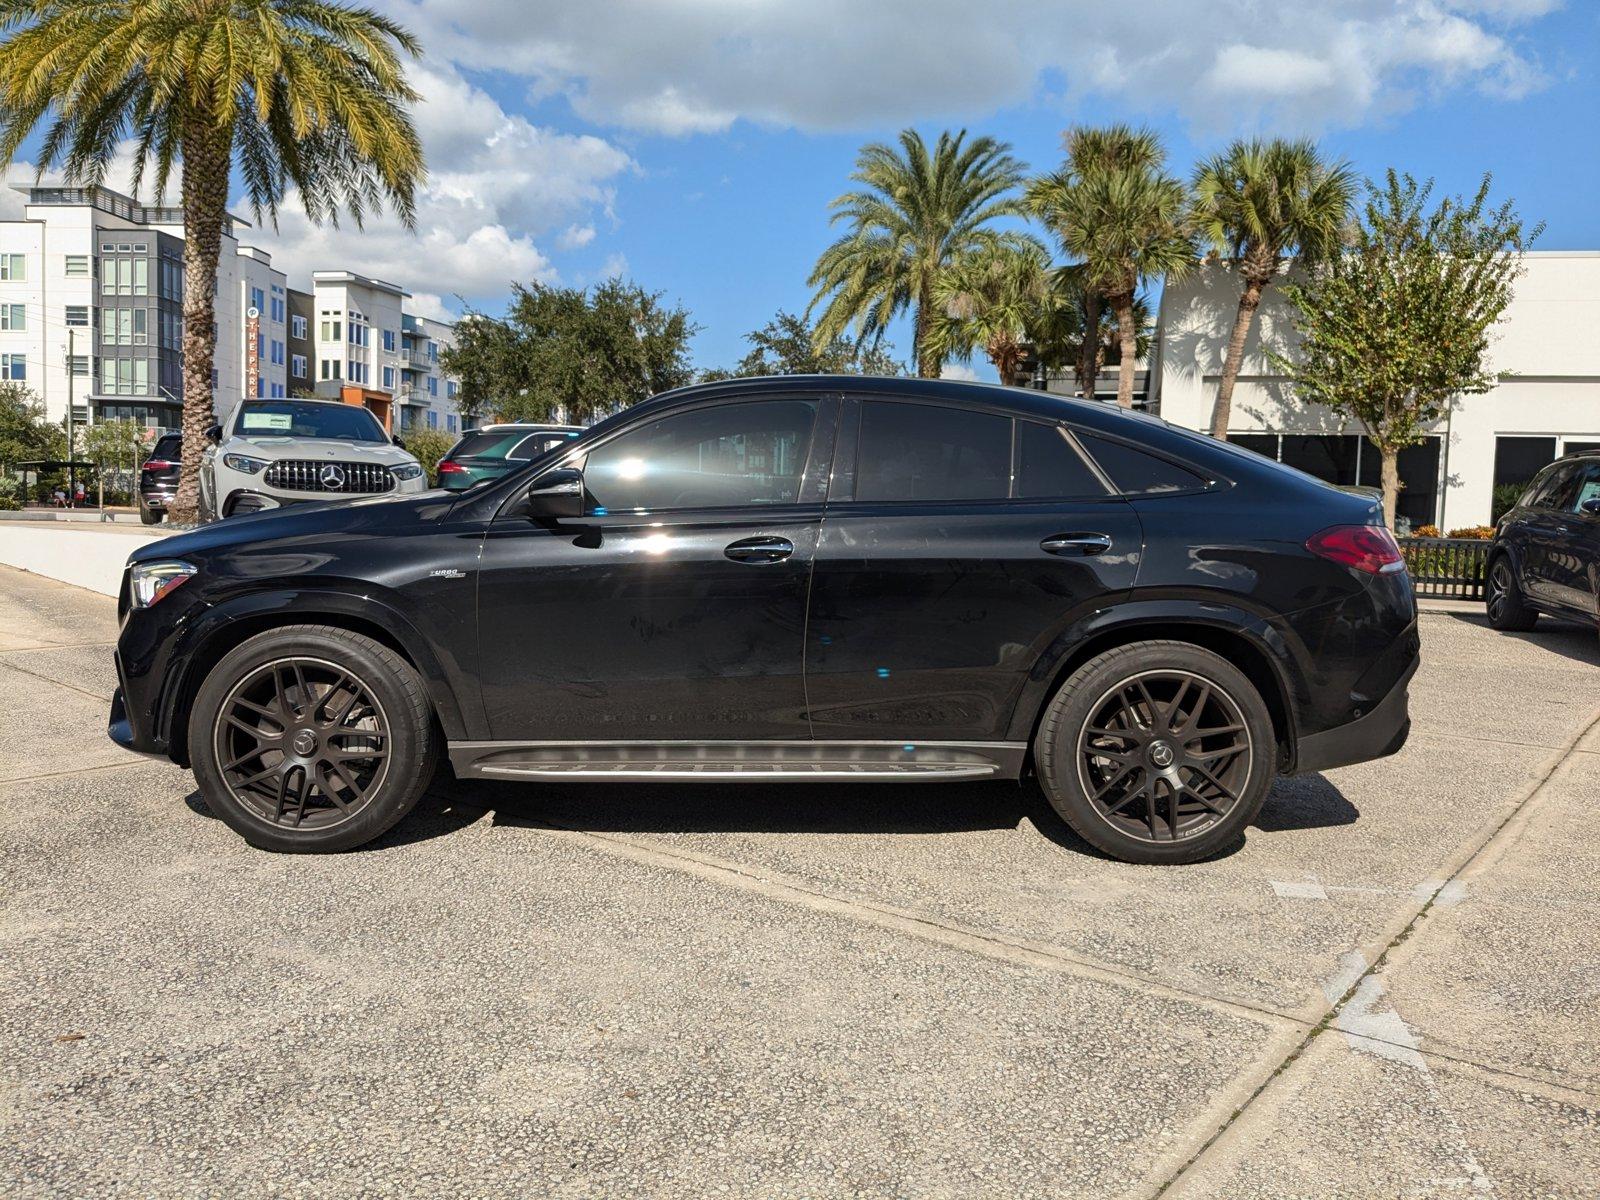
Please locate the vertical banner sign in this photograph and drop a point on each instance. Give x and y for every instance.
(252, 352)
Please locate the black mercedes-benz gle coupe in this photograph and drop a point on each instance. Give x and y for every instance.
(799, 578)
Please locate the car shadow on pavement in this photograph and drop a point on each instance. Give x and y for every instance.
(1569, 638)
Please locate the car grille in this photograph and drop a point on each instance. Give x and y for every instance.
(314, 475)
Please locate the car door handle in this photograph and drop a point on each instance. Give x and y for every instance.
(1076, 544)
(758, 550)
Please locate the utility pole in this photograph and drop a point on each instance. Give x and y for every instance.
(72, 465)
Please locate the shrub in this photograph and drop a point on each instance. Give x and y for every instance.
(1505, 497)
(429, 446)
(1481, 533)
(10, 494)
(1426, 531)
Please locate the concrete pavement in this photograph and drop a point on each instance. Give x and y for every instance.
(1392, 989)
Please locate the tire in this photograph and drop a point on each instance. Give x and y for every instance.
(148, 515)
(331, 739)
(1503, 600)
(1141, 797)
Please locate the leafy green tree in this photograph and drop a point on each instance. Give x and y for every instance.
(429, 446)
(1262, 205)
(787, 345)
(25, 434)
(994, 300)
(917, 214)
(1397, 326)
(1054, 200)
(116, 448)
(308, 94)
(571, 354)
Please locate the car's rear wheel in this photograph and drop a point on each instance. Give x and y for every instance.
(1157, 752)
(148, 515)
(1502, 597)
(310, 738)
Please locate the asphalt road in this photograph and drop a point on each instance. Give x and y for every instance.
(1393, 989)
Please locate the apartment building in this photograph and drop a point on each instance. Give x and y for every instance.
(368, 347)
(91, 298)
(1547, 403)
(91, 314)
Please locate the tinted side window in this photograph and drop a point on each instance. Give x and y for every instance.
(1551, 490)
(930, 452)
(1136, 473)
(724, 455)
(538, 443)
(1587, 481)
(1049, 466)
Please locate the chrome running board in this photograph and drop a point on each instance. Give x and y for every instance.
(786, 762)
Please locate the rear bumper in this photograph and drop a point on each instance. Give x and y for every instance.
(1378, 733)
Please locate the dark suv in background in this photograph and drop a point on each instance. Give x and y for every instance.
(1546, 552)
(799, 578)
(497, 450)
(158, 478)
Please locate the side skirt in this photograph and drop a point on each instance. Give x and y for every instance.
(799, 761)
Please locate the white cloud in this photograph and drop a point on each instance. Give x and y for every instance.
(497, 185)
(575, 236)
(697, 66)
(613, 266)
(955, 370)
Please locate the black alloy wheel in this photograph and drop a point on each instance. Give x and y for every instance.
(311, 738)
(1157, 752)
(1164, 756)
(302, 742)
(1503, 597)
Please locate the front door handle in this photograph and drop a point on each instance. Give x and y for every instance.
(758, 550)
(1076, 544)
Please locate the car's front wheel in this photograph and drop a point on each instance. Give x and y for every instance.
(310, 738)
(1157, 752)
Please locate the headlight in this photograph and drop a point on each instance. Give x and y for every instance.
(149, 582)
(408, 471)
(243, 462)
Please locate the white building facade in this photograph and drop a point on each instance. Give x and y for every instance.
(365, 337)
(1547, 405)
(91, 314)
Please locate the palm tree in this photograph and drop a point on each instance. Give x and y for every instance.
(918, 214)
(1051, 199)
(995, 299)
(308, 94)
(1261, 204)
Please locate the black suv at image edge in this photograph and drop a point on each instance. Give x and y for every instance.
(798, 578)
(1546, 552)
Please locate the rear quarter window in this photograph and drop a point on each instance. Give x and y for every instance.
(1136, 473)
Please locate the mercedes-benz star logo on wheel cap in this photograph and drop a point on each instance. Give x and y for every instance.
(332, 476)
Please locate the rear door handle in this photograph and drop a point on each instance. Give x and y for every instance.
(758, 550)
(1076, 544)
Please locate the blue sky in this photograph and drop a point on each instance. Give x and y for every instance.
(694, 144)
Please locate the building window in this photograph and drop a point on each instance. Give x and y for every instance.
(77, 316)
(13, 366)
(141, 277)
(297, 365)
(450, 422)
(77, 266)
(141, 329)
(1351, 459)
(433, 351)
(13, 317)
(450, 388)
(388, 340)
(13, 267)
(78, 364)
(258, 300)
(358, 371)
(433, 385)
(331, 368)
(297, 326)
(332, 326)
(388, 378)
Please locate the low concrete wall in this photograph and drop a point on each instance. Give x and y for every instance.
(91, 556)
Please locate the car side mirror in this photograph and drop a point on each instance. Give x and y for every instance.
(1591, 506)
(214, 435)
(556, 496)
(399, 441)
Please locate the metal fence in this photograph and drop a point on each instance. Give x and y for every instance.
(1446, 568)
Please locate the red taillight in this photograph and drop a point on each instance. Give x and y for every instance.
(446, 467)
(1369, 548)
(159, 464)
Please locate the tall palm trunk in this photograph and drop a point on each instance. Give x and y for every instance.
(1128, 338)
(1248, 303)
(1391, 483)
(1089, 352)
(207, 153)
(929, 362)
(1005, 353)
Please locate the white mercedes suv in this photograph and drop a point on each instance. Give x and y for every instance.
(276, 452)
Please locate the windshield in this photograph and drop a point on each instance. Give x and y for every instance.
(493, 443)
(288, 418)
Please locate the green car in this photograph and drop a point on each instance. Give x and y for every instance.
(494, 450)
